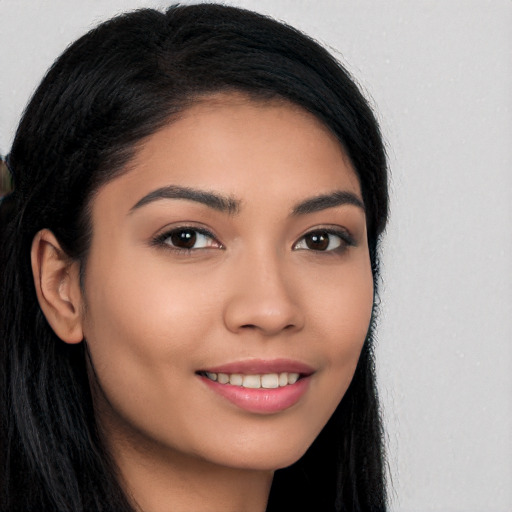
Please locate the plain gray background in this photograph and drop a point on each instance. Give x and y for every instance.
(440, 75)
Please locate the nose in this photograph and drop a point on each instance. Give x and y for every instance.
(262, 298)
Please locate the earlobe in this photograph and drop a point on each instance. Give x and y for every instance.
(57, 283)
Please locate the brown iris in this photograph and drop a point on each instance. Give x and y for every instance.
(184, 238)
(317, 241)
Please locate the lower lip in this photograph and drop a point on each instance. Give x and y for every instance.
(262, 401)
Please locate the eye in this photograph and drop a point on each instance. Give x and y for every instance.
(188, 239)
(324, 240)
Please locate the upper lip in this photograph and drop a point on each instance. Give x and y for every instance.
(262, 366)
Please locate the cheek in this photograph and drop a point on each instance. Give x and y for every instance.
(343, 303)
(141, 326)
(143, 305)
(342, 316)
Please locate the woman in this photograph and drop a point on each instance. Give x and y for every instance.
(189, 274)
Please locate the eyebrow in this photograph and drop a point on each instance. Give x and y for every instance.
(211, 199)
(230, 205)
(324, 201)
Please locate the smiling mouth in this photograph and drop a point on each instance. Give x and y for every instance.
(254, 381)
(259, 386)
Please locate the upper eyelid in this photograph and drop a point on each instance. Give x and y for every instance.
(183, 226)
(166, 232)
(338, 230)
(346, 240)
(329, 228)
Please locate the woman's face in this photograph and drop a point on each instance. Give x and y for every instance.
(230, 260)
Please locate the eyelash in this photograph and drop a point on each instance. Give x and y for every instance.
(162, 239)
(345, 239)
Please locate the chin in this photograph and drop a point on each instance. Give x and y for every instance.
(258, 458)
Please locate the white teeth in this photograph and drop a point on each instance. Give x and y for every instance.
(236, 379)
(251, 381)
(265, 381)
(223, 378)
(270, 381)
(293, 378)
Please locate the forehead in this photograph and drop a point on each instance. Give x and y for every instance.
(240, 147)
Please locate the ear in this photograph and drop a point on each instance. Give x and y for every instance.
(57, 282)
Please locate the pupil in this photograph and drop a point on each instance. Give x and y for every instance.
(186, 239)
(318, 241)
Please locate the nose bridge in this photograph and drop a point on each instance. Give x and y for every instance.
(262, 294)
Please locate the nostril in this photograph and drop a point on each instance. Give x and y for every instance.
(253, 327)
(257, 311)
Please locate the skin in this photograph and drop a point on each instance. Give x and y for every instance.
(153, 315)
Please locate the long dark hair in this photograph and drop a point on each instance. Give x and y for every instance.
(114, 86)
